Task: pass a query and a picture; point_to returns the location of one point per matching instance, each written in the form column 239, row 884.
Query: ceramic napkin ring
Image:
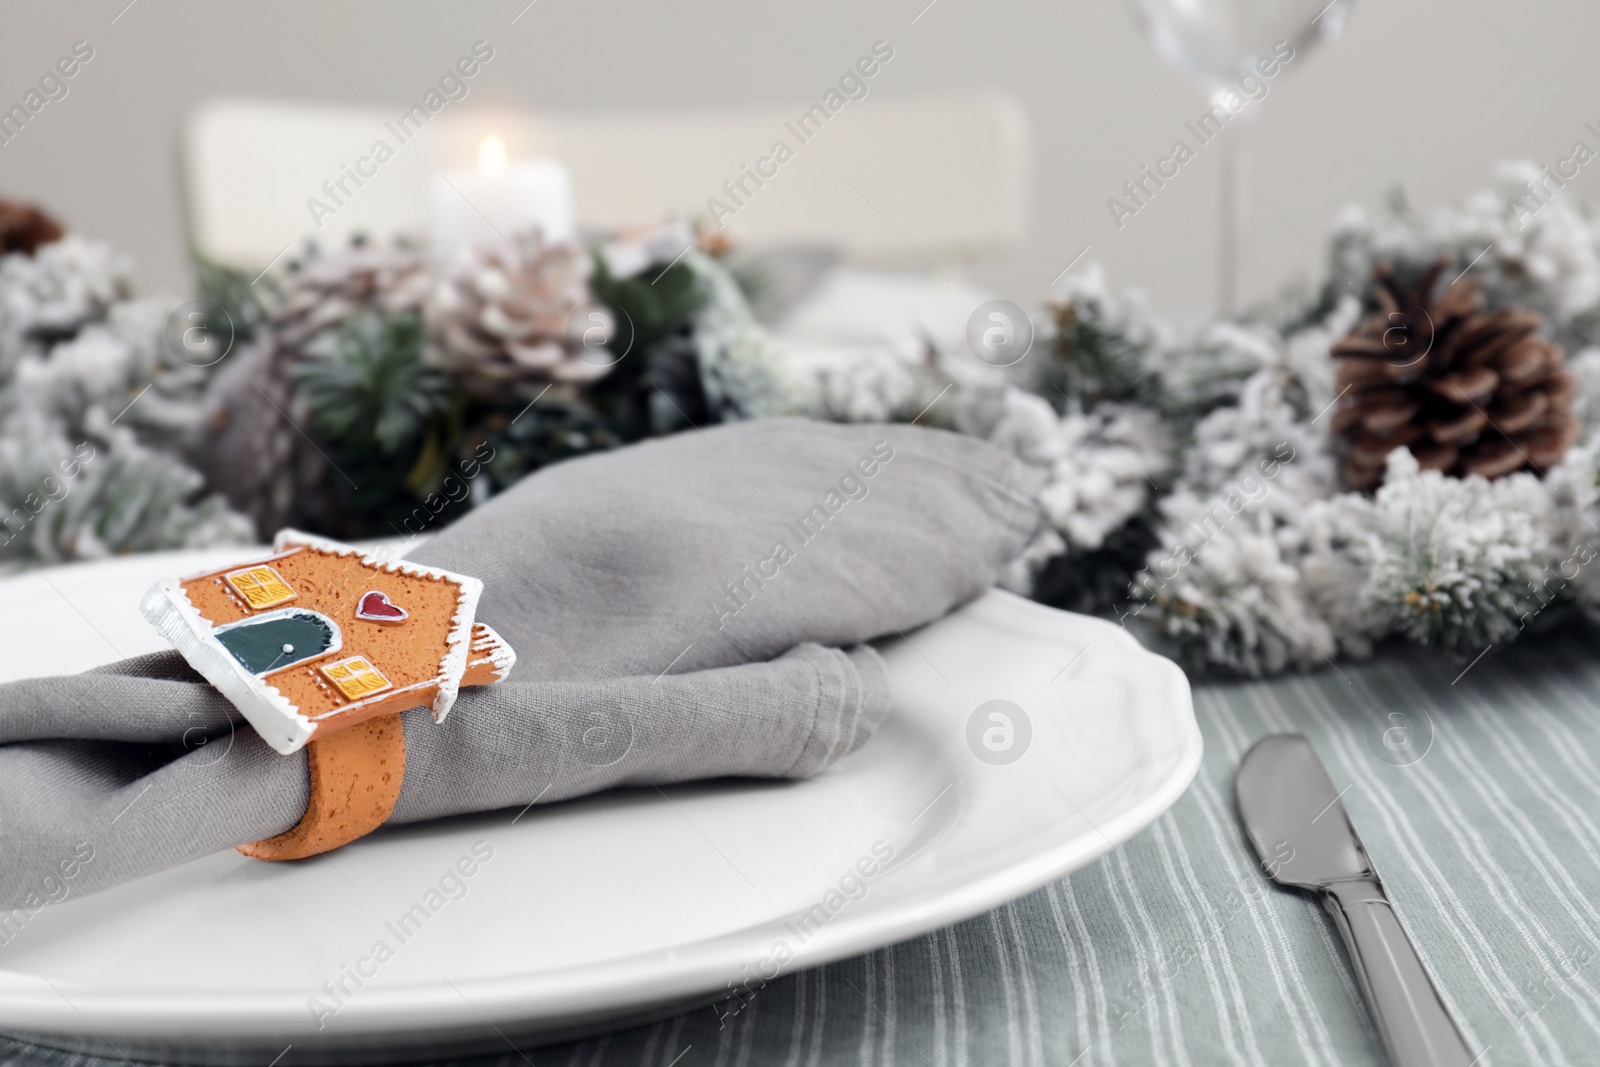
column 322, row 646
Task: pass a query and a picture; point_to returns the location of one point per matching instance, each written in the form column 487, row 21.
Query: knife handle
column 1416, row 1026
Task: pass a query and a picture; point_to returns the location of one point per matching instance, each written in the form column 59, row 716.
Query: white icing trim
column 288, row 540
column 499, row 653
column 278, row 722
column 460, row 642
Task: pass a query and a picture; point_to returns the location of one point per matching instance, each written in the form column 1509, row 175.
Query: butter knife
column 1305, row 839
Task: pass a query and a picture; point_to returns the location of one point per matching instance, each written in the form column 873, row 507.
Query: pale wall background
column 1428, row 93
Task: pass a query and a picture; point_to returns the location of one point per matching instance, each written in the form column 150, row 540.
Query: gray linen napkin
column 690, row 607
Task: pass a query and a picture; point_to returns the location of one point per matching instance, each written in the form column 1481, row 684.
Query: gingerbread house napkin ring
column 322, row 646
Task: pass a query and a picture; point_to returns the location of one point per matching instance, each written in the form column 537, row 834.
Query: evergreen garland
column 1189, row 475
column 97, row 414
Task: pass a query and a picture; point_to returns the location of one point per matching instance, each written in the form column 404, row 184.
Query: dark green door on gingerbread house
column 279, row 639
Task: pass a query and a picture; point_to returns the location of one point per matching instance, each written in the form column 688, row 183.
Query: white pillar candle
column 499, row 201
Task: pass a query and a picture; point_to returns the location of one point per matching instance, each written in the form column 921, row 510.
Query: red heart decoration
column 377, row 607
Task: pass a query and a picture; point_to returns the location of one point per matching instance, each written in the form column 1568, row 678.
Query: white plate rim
column 696, row 969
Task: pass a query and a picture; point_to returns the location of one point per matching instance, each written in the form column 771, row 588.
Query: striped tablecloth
column 1478, row 795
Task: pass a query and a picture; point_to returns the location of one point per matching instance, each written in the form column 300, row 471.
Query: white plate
column 616, row 905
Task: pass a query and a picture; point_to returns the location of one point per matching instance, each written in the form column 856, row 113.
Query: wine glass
column 1216, row 43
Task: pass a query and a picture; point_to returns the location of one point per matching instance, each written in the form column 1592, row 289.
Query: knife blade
column 1298, row 825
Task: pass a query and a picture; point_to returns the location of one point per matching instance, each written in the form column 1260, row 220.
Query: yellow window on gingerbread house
column 355, row 677
column 261, row 587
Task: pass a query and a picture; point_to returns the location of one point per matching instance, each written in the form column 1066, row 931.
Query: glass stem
column 1235, row 213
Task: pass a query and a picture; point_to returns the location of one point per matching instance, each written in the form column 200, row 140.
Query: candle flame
column 492, row 156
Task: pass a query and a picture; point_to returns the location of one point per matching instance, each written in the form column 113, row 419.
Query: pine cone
column 1468, row 391
column 327, row 291
column 505, row 319
column 263, row 461
column 23, row 228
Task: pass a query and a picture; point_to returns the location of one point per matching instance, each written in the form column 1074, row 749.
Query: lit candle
column 499, row 200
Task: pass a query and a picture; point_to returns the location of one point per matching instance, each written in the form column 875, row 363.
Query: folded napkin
column 690, row 607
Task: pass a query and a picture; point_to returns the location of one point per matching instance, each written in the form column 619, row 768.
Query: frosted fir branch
column 1305, row 357
column 1227, row 590
column 747, row 373
column 111, row 363
column 1224, row 581
column 1262, row 432
column 65, row 498
column 1100, row 468
column 1572, row 571
column 55, row 292
column 1124, row 314
column 923, row 380
column 96, row 410
column 1099, row 344
column 1449, row 562
column 1210, row 369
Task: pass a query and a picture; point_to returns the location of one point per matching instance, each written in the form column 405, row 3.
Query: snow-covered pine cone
column 504, row 323
column 328, row 290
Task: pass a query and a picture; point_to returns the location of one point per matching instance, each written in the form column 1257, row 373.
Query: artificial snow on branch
column 96, row 415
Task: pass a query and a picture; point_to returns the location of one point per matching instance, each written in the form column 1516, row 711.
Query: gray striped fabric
column 1174, row 951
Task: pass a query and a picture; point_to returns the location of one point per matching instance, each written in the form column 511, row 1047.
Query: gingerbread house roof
column 370, row 655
